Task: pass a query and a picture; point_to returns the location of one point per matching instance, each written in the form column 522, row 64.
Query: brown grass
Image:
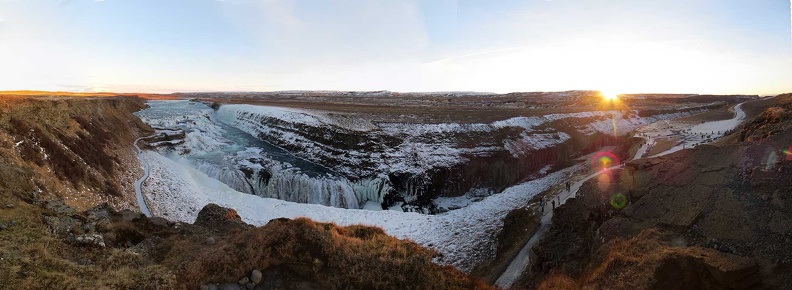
column 643, row 249
column 557, row 281
column 355, row 257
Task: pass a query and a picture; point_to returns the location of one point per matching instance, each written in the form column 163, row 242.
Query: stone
column 229, row 286
column 244, row 281
column 129, row 215
column 255, row 276
column 60, row 207
column 211, row 241
column 101, row 212
column 204, row 287
column 91, row 239
column 148, row 245
column 61, row 226
column 9, row 205
column 2, row 227
column 216, row 217
column 249, row 286
column 159, row 221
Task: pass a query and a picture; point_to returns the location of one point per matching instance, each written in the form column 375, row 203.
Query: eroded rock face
column 75, row 147
column 720, row 213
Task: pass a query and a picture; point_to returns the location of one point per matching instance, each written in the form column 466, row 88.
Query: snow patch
column 464, row 236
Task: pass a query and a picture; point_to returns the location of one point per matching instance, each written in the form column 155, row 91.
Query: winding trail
column 139, row 183
column 690, row 138
column 520, row 262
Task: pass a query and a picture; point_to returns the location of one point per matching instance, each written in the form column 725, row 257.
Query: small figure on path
column 567, row 184
column 553, row 201
column 541, row 205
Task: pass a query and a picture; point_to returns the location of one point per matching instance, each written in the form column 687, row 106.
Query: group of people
column 543, row 202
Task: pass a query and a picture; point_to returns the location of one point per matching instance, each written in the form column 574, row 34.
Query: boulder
column 255, row 276
column 60, row 207
column 91, row 239
column 101, row 212
column 216, row 217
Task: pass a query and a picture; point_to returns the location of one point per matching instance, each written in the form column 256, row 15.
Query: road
column 139, row 183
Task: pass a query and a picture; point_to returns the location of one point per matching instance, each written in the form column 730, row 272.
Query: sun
column 609, row 96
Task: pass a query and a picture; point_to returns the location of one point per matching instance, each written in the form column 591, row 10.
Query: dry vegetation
column 354, row 257
column 146, row 253
column 77, row 148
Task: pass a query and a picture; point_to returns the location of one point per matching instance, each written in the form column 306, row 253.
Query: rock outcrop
column 77, row 149
column 712, row 217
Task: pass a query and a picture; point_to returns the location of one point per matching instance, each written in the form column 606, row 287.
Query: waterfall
column 295, row 186
column 373, row 189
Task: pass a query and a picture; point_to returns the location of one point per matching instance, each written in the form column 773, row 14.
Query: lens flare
column 603, row 160
column 618, row 201
column 788, row 153
column 604, row 181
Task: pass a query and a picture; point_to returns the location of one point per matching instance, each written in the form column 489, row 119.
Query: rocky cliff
column 73, row 148
column 713, row 217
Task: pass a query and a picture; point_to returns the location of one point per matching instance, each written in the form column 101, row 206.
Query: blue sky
column 673, row 46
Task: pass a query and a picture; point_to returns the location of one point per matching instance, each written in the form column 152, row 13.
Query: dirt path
column 139, row 183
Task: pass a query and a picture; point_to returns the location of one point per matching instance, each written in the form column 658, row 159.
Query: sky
column 621, row 46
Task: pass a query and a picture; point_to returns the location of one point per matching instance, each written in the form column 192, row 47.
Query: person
column 558, row 197
column 629, row 196
column 567, row 185
column 553, row 204
column 541, row 205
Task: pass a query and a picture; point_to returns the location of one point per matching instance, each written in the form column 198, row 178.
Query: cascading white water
column 372, row 189
column 295, row 186
column 245, row 163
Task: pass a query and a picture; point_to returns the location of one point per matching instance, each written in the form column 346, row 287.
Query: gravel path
column 138, row 192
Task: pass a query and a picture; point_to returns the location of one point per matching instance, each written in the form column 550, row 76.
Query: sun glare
column 609, row 96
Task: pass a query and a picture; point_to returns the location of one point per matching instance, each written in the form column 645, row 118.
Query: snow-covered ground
column 689, row 136
column 420, row 147
column 463, row 236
